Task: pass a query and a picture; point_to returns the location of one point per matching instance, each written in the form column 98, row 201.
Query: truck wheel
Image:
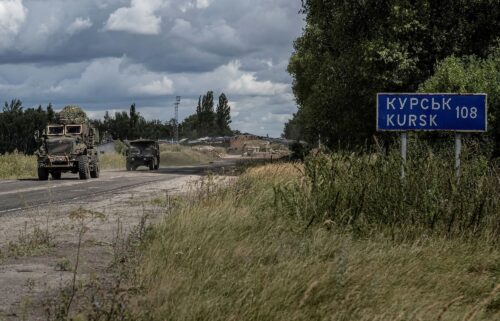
column 56, row 175
column 157, row 166
column 43, row 174
column 83, row 167
column 96, row 170
column 128, row 166
column 151, row 165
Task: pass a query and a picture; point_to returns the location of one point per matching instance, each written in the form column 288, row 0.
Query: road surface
column 23, row 194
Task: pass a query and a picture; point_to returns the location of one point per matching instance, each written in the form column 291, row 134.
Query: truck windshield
column 74, row 129
column 55, row 130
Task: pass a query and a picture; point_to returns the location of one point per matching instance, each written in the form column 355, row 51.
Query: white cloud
column 12, row 16
column 230, row 79
column 158, row 87
column 139, row 18
column 79, row 24
column 217, row 36
column 246, row 83
column 202, row 4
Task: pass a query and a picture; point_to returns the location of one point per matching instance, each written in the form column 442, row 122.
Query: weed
column 31, row 242
column 363, row 194
column 63, row 265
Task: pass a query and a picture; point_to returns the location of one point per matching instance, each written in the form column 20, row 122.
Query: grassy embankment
column 339, row 238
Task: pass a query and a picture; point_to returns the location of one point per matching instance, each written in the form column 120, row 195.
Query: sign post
column 458, row 113
column 404, row 153
column 458, row 151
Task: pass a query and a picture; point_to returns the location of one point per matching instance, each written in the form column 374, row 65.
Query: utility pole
column 177, row 102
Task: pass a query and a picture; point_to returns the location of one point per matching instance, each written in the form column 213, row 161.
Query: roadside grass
column 30, row 242
column 242, row 253
column 20, row 166
column 17, row 166
column 176, row 155
column 112, row 161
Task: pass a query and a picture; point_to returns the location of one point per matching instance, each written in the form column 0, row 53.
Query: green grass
column 184, row 156
column 112, row 161
column 242, row 254
column 17, row 166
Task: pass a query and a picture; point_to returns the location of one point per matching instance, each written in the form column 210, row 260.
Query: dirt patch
column 39, row 246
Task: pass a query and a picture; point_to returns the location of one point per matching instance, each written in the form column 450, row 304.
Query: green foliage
column 18, row 125
column 206, row 122
column 364, row 194
column 472, row 75
column 350, row 50
column 132, row 125
column 223, row 116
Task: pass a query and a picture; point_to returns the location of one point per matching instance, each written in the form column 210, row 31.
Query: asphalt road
column 21, row 194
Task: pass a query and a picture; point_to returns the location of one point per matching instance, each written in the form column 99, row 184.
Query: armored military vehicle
column 68, row 145
column 143, row 152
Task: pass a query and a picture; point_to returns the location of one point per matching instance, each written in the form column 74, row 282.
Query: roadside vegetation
column 176, row 155
column 19, row 166
column 339, row 237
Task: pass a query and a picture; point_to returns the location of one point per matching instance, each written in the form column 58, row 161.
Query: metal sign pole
column 404, row 151
column 458, row 152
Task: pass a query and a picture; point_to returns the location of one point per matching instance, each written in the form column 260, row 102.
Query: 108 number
column 465, row 112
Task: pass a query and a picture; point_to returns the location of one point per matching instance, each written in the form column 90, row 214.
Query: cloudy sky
column 106, row 54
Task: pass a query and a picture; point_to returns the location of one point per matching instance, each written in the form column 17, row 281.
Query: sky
column 106, row 54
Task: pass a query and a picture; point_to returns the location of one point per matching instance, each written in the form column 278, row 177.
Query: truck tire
column 56, row 175
column 128, row 166
column 157, row 166
column 43, row 174
column 151, row 165
column 95, row 173
column 83, row 167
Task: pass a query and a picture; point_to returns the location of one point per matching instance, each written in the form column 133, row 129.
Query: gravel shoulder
column 27, row 281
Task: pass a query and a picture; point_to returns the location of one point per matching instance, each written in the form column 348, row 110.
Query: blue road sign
column 432, row 112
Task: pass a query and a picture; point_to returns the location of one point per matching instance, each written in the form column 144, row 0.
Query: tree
column 223, row 116
column 206, row 115
column 350, row 50
column 17, row 126
column 134, row 120
column 50, row 113
column 471, row 74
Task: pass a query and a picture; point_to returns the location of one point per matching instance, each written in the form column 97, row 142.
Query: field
column 329, row 240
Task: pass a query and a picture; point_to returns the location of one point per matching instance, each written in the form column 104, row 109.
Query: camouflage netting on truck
column 73, row 115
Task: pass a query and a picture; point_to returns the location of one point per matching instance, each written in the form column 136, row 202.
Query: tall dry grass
column 177, row 155
column 17, row 166
column 233, row 255
column 365, row 194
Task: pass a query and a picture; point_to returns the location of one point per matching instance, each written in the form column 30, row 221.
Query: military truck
column 68, row 145
column 143, row 152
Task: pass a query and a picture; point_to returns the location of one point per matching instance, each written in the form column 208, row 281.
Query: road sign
column 432, row 112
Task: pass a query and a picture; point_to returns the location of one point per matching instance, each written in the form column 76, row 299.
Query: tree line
column 350, row 50
column 18, row 124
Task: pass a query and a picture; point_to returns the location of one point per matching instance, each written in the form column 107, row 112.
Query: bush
column 366, row 193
